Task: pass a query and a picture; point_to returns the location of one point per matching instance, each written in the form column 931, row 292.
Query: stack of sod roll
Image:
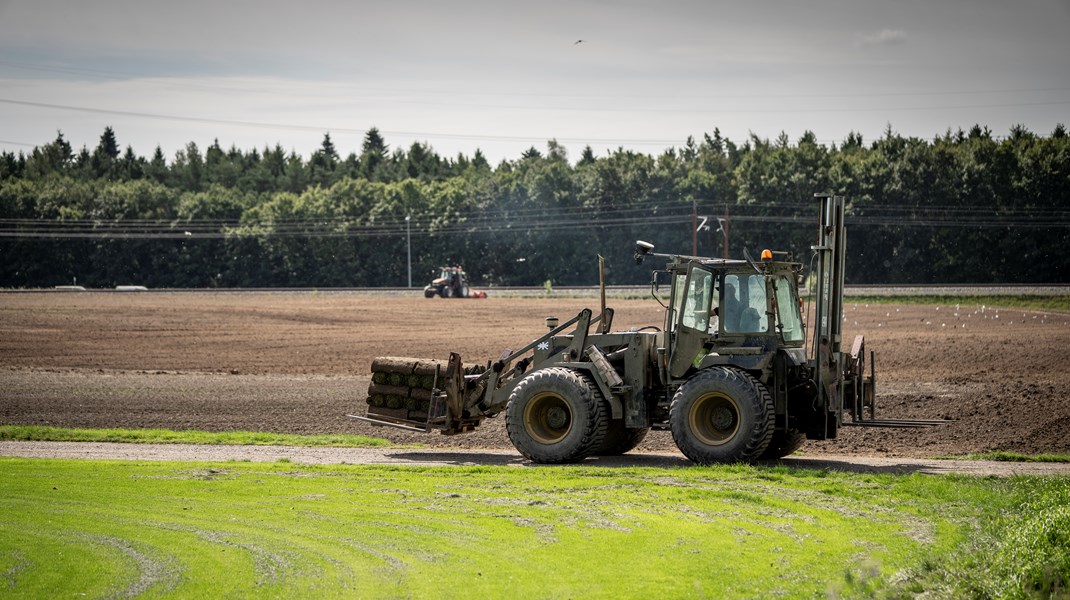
column 401, row 387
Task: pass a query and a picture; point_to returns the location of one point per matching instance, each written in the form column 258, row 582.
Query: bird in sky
column 577, row 42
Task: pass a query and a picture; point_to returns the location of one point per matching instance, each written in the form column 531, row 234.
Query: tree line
column 963, row 207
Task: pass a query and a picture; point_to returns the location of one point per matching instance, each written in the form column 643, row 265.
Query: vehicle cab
column 733, row 312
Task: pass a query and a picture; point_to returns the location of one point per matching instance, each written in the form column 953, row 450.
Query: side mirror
column 655, row 287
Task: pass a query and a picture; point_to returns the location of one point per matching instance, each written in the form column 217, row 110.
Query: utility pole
column 408, row 244
column 694, row 227
column 724, row 229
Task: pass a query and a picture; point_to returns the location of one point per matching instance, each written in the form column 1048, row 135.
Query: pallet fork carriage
column 730, row 373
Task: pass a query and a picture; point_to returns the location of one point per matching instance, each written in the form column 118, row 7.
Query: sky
column 502, row 76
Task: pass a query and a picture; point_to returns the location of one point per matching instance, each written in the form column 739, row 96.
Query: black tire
column 783, row 444
column 429, row 293
column 556, row 415
column 446, row 291
column 722, row 415
column 619, row 439
column 463, row 293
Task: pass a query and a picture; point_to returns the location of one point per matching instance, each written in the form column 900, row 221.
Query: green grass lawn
column 167, row 436
column 120, row 529
column 1004, row 456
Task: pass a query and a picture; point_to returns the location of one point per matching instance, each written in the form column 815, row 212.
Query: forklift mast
column 826, row 356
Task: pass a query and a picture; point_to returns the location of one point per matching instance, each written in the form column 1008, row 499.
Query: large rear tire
column 722, row 415
column 556, row 415
column 619, row 439
column 783, row 443
column 446, row 292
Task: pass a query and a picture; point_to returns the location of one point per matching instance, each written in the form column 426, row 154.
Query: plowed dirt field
column 299, row 362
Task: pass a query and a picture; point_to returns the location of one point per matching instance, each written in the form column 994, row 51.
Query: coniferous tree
column 587, row 156
column 105, row 157
column 51, row 159
column 156, row 169
column 373, row 155
column 323, row 164
column 188, row 168
column 132, row 166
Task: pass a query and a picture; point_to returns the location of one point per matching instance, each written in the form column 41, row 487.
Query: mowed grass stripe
column 166, row 436
column 112, row 528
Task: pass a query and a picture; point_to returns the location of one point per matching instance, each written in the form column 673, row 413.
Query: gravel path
column 471, row 457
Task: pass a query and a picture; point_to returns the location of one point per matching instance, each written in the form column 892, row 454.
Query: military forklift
column 732, row 371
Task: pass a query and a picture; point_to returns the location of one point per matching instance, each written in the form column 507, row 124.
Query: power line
column 87, row 229
column 640, row 208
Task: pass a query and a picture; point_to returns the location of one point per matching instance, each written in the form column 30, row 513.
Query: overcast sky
column 503, row 76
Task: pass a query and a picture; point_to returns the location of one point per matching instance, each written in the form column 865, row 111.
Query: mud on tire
column 722, row 415
column 556, row 415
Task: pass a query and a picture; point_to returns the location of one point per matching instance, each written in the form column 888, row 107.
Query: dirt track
column 300, row 362
column 453, row 457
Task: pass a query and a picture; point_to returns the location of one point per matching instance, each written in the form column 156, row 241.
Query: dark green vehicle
column 732, row 371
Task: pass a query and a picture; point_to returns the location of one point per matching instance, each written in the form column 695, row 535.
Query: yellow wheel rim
column 714, row 419
column 548, row 418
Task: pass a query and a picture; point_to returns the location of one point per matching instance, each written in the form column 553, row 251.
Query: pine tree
column 323, row 163
column 373, row 155
column 105, row 157
column 53, row 158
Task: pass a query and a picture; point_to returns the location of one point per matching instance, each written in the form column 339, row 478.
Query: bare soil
column 300, row 362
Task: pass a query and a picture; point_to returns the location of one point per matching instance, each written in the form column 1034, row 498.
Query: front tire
column 556, row 415
column 722, row 415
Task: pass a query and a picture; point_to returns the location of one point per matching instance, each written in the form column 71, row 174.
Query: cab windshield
column 737, row 303
column 744, row 304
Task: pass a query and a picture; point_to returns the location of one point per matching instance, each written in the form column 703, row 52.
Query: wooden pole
column 602, row 324
column 724, row 230
column 694, row 228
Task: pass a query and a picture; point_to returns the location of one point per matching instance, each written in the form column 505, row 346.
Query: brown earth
column 299, row 362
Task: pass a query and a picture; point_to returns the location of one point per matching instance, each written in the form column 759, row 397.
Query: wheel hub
column 721, row 418
column 556, row 417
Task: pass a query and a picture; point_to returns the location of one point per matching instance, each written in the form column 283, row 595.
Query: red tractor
column 451, row 283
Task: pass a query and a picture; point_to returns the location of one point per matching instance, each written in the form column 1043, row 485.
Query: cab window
column 744, row 304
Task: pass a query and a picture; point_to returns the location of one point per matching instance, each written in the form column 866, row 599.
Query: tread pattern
column 619, row 439
column 783, row 443
column 756, row 415
column 588, row 410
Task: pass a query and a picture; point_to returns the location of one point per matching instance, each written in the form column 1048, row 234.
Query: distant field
column 299, row 362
